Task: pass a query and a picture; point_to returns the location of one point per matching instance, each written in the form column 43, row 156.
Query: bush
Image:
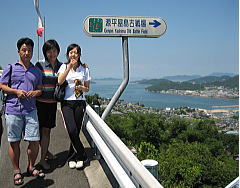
column 190, row 153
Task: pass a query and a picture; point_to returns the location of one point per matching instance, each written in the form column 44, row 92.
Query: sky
column 201, row 38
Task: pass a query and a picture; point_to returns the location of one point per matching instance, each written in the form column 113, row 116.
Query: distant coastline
column 136, row 94
column 110, row 78
column 225, row 87
column 218, row 94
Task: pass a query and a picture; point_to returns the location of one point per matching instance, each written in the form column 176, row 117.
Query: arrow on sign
column 155, row 23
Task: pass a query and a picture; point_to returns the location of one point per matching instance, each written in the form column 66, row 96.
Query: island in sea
column 208, row 86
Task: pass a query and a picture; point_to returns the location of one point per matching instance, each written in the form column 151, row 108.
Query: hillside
column 181, row 78
column 209, row 79
column 166, row 85
column 196, row 84
column 218, row 74
column 232, row 82
column 152, row 81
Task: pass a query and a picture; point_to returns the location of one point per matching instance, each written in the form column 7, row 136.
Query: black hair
column 48, row 45
column 69, row 48
column 27, row 41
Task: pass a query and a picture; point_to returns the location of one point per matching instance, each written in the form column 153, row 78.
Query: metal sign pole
column 38, row 50
column 125, row 26
column 125, row 78
column 44, row 34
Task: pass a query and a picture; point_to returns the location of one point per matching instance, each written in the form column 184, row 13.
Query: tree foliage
column 93, row 99
column 184, row 164
column 190, row 153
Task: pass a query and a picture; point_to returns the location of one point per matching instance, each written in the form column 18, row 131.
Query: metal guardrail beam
column 234, row 183
column 136, row 171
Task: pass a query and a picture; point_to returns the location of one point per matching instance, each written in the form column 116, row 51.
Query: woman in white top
column 74, row 105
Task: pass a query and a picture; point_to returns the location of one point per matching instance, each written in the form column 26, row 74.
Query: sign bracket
column 125, row 78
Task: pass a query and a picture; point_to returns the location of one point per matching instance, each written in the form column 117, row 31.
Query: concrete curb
column 94, row 172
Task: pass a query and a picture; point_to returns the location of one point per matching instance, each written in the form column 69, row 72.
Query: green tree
column 147, row 151
column 93, row 99
column 215, row 146
column 200, row 130
column 190, row 153
column 230, row 142
column 183, row 164
column 221, row 171
column 176, row 126
column 146, row 127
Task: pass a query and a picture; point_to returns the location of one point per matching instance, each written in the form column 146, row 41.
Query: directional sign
column 115, row 26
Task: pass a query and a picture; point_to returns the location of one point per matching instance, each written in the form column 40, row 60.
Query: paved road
column 59, row 175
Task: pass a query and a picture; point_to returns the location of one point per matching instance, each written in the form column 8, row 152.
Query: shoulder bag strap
column 10, row 77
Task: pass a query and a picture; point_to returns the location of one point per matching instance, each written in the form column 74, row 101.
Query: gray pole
column 44, row 25
column 38, row 50
column 125, row 78
column 38, row 39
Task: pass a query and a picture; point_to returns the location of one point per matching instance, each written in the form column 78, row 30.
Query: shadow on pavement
column 37, row 183
column 61, row 159
column 58, row 162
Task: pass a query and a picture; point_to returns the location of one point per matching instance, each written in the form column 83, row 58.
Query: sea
column 136, row 93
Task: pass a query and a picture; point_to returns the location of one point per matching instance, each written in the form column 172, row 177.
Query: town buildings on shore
column 214, row 92
column 227, row 121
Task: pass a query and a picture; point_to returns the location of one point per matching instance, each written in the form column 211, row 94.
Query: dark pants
column 73, row 112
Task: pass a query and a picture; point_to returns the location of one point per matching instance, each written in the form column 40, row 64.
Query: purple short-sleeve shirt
column 23, row 79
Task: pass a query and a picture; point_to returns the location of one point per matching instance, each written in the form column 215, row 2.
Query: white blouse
column 80, row 74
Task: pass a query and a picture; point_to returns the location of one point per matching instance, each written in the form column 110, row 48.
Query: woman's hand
column 82, row 88
column 73, row 62
column 79, row 87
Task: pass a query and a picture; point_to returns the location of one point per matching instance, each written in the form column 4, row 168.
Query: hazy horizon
column 132, row 77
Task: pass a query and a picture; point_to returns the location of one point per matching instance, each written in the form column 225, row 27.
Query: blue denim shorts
column 22, row 126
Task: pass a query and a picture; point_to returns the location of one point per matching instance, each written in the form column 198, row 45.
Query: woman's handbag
column 4, row 95
column 3, row 103
column 59, row 92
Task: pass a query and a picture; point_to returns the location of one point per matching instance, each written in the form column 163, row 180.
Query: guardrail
column 233, row 184
column 126, row 168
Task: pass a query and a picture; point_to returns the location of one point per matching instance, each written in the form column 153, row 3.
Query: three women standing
column 74, row 105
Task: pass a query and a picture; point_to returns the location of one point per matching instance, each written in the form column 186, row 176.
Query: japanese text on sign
column 124, row 26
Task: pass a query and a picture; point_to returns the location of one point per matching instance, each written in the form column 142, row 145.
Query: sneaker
column 72, row 164
column 79, row 164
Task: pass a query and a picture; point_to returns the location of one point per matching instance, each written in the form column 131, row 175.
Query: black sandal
column 50, row 156
column 39, row 173
column 16, row 180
